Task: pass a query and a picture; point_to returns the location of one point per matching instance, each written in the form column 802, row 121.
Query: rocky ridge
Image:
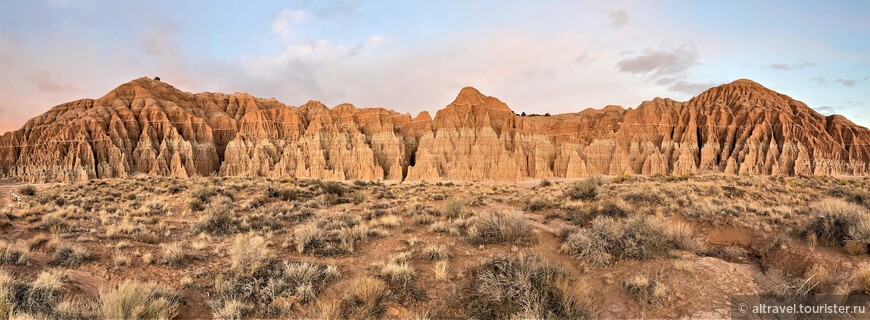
column 149, row 127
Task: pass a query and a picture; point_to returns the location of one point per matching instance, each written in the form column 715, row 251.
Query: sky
column 411, row 56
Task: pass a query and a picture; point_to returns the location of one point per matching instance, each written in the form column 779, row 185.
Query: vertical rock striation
column 149, row 127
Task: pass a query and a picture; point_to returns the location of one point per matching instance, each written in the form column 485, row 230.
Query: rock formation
column 149, row 127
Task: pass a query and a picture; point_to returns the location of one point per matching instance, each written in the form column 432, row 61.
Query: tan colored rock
column 149, row 127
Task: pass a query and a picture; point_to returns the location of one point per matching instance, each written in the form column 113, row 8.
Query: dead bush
column 646, row 291
column 585, row 189
column 640, row 238
column 219, row 218
column 837, row 221
column 525, row 287
column 497, row 227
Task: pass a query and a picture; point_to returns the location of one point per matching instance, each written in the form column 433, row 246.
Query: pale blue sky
column 537, row 56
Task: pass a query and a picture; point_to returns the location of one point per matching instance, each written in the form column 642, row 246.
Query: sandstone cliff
column 149, row 127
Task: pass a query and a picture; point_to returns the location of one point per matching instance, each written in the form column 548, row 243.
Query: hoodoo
column 149, row 127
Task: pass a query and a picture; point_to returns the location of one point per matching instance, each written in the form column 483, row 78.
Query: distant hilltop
column 148, row 127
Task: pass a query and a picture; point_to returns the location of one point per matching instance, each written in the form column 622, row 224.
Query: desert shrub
column 331, row 234
column 175, row 254
column 860, row 231
column 276, row 218
column 77, row 308
column 219, row 218
column 525, row 287
column 545, row 183
column 606, row 209
column 862, row 279
column 272, row 286
column 852, row 194
column 175, row 188
column 390, row 221
column 645, row 291
column 424, row 219
column 440, row 227
column 195, row 204
column 645, row 197
column 10, row 254
column 364, row 299
column 154, row 208
column 5, row 220
column 455, row 208
column 496, row 227
column 435, row 252
column 257, row 277
column 248, row 252
column 334, row 188
column 38, row 297
column 70, row 256
column 585, row 189
column 135, row 300
column 837, row 221
column 230, row 310
column 399, row 276
column 608, row 240
column 440, row 270
column 203, row 194
column 538, row 204
column 27, row 190
column 281, row 193
column 307, row 236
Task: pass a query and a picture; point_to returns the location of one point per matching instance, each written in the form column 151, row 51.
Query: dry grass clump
column 10, row 254
column 440, row 270
column 37, row 297
column 862, row 280
column 200, row 197
column 582, row 215
column 538, row 204
column 248, row 253
column 219, row 218
column 134, row 300
column 258, row 278
column 455, row 208
column 496, row 227
column 284, row 194
column 398, row 275
column 174, row 254
column 435, row 252
column 77, row 308
column 585, row 189
column 26, row 190
column 525, row 287
column 641, row 238
column 364, row 299
column 70, row 256
column 331, row 234
column 646, row 291
column 837, row 221
column 230, row 310
column 275, row 218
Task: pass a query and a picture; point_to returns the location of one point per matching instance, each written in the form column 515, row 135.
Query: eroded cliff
column 149, row 127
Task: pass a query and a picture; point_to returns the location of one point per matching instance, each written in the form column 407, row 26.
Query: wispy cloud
column 47, row 81
column 659, row 63
column 819, row 80
column 787, row 67
column 850, row 82
column 617, row 18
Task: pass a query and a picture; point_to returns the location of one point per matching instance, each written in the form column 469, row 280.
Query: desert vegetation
column 600, row 247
